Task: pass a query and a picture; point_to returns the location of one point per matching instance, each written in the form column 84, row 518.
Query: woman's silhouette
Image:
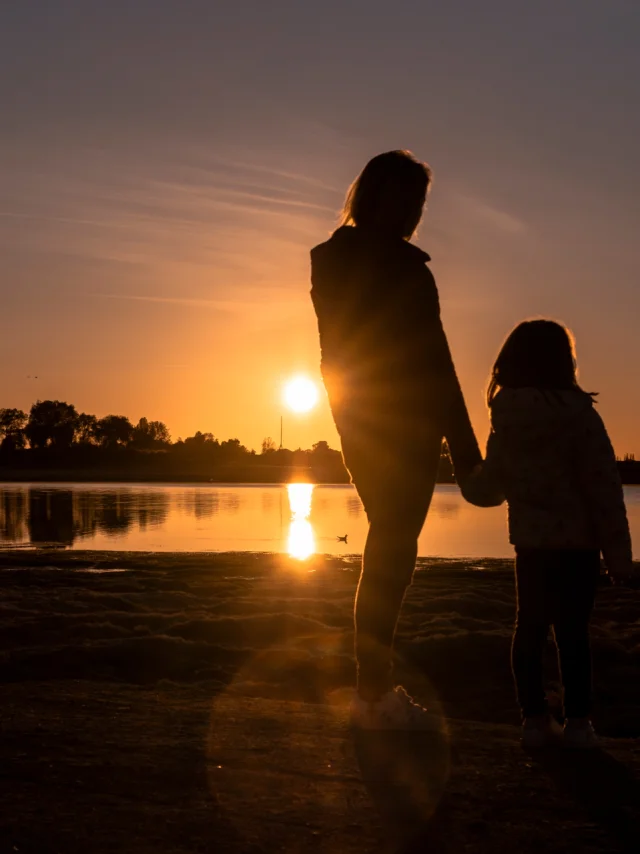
column 394, row 395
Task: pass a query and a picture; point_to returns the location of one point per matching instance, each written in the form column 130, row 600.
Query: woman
column 394, row 395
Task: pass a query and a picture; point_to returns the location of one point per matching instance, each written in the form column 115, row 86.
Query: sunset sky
column 166, row 165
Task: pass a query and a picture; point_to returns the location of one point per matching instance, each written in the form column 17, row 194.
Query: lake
column 298, row 519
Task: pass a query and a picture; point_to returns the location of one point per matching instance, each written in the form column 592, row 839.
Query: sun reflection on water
column 301, row 542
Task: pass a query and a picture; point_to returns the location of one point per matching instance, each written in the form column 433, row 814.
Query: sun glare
column 300, row 394
column 301, row 543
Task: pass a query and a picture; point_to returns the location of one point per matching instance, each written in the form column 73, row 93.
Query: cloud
column 493, row 216
column 218, row 305
column 261, row 305
column 64, row 220
column 245, row 166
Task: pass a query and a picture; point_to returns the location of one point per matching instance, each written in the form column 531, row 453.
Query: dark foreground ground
column 198, row 703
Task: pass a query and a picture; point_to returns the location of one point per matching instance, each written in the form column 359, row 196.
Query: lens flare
column 301, row 394
column 301, row 541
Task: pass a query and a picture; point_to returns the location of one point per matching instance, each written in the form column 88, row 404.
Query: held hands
column 481, row 487
column 470, row 476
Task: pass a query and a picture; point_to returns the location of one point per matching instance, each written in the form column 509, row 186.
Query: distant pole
column 281, row 432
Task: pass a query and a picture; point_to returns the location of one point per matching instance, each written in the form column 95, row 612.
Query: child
column 550, row 457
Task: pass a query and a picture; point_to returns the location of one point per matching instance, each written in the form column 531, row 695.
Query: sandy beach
column 174, row 703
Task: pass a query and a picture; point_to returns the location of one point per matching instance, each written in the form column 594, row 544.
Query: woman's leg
column 388, row 563
column 576, row 581
column 397, row 508
column 532, row 627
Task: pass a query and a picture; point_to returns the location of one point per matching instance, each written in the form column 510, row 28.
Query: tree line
column 54, row 440
column 58, row 425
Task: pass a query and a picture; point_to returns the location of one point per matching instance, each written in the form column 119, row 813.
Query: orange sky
column 163, row 177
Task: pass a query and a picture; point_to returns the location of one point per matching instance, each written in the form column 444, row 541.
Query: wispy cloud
column 218, row 305
column 491, row 215
column 238, row 305
column 63, row 220
column 252, row 166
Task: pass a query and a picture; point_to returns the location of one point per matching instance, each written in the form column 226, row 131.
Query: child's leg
column 575, row 583
column 532, row 628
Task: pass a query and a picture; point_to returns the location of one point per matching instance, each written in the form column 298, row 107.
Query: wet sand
column 174, row 703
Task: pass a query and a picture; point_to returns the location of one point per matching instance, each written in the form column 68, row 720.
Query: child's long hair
column 537, row 354
column 389, row 195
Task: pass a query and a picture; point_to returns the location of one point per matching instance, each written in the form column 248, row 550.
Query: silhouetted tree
column 113, row 430
column 12, row 424
column 12, row 420
column 321, row 448
column 148, row 435
column 232, row 450
column 201, row 440
column 268, row 445
column 51, row 422
column 86, row 429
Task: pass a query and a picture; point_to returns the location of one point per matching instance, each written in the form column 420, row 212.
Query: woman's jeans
column 556, row 587
column 395, row 485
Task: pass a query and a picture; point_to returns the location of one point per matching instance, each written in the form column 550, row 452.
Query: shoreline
column 32, row 557
column 208, row 612
column 117, row 478
column 164, row 703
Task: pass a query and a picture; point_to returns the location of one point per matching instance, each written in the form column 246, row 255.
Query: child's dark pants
column 556, row 587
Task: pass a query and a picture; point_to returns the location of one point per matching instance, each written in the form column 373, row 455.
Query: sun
column 301, row 394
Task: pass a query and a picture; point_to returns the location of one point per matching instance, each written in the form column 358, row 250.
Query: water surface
column 299, row 519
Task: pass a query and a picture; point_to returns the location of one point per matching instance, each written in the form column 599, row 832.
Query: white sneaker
column 579, row 734
column 395, row 710
column 540, row 732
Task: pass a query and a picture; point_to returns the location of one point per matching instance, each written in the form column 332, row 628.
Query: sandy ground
column 170, row 703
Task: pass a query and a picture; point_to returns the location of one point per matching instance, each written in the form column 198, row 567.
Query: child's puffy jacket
column 550, row 457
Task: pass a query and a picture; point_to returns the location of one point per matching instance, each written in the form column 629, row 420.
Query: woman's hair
column 389, row 194
column 537, row 354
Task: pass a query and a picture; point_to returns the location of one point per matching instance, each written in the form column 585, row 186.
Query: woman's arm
column 484, row 487
column 458, row 431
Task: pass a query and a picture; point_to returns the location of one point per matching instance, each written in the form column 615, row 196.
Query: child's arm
column 483, row 487
column 603, row 488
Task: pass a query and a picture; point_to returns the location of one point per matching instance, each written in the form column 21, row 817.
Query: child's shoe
column 540, row 731
column 579, row 734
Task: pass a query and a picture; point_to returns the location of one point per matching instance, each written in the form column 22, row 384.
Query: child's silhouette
column 550, row 456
